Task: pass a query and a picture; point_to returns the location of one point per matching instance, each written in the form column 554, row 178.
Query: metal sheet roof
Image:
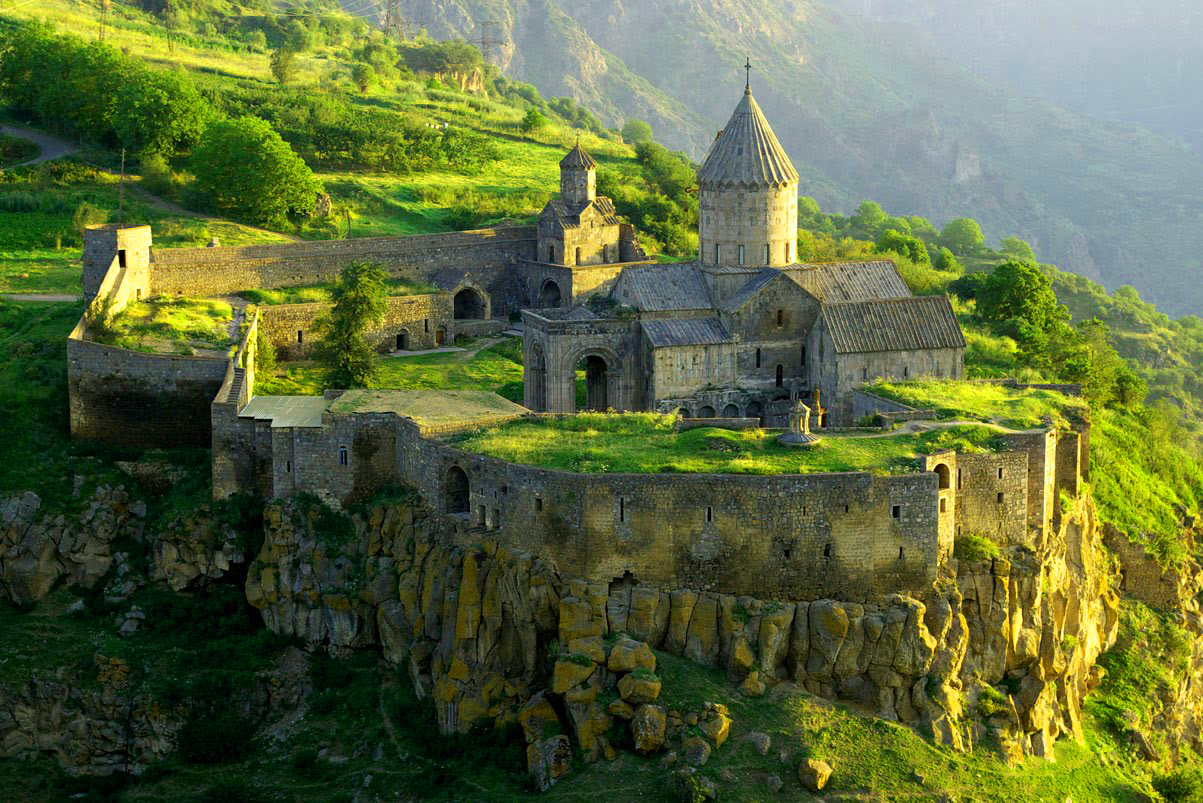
column 286, row 411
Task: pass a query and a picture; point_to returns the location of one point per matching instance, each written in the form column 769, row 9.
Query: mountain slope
column 868, row 110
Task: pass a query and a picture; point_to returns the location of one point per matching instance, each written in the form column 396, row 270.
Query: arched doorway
column 440, row 336
column 456, row 491
column 549, row 295
column 730, row 411
column 706, row 411
column 945, row 476
column 596, row 396
column 537, row 377
column 755, row 410
column 469, row 305
column 683, row 412
column 403, row 340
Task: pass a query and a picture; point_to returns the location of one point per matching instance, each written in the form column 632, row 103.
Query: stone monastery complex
column 736, row 337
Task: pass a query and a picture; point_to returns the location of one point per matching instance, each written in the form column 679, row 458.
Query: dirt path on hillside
column 29, row 298
column 52, row 147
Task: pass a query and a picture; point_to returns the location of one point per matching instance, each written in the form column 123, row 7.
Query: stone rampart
column 128, row 397
column 217, row 271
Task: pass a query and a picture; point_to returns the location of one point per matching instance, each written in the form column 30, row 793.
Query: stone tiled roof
column 747, row 152
column 899, row 324
column 750, row 290
column 663, row 288
column 837, row 282
column 578, row 158
column 580, row 314
column 685, row 332
column 570, row 216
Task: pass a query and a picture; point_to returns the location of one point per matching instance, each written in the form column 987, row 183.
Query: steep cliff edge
column 1006, row 645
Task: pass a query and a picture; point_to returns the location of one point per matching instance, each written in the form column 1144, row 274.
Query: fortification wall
column 846, row 536
column 127, row 397
column 218, row 271
column 410, row 322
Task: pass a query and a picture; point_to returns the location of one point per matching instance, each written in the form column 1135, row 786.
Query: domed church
column 740, row 331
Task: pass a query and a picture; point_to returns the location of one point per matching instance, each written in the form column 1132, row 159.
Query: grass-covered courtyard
column 647, row 443
column 170, row 326
column 997, row 404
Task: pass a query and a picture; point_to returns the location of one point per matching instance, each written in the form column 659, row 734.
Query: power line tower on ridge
column 486, row 43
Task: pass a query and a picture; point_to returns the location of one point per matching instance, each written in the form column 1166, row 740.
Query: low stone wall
column 686, row 424
column 131, row 398
column 410, row 323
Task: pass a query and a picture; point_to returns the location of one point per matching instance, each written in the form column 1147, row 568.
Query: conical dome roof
column 747, row 152
column 578, row 158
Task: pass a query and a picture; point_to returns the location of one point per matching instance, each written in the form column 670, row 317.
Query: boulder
column 639, row 687
column 814, row 774
column 548, row 760
column 593, row 647
column 695, row 750
column 648, row 728
column 752, row 686
column 716, row 728
column 536, row 716
column 628, row 655
column 701, row 640
column 569, row 673
column 761, row 742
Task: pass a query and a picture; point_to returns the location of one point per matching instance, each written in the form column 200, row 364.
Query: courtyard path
column 57, row 298
column 52, row 147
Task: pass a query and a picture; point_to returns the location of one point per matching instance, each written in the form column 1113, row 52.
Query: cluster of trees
column 97, row 94
column 1017, row 300
column 656, row 195
column 359, row 298
column 328, row 132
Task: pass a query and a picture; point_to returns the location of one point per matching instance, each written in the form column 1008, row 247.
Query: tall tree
column 964, row 236
column 359, row 302
column 635, row 131
column 244, row 169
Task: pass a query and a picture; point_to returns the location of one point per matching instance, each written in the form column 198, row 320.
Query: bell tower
column 578, row 178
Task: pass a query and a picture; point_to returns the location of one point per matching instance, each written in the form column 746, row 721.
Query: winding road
column 52, row 147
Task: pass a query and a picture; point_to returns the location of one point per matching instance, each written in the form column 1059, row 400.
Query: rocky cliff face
column 37, row 551
column 1006, row 645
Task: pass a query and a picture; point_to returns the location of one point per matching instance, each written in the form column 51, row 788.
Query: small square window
column 538, row 504
column 896, row 511
column 1000, row 472
column 943, row 505
column 1000, row 497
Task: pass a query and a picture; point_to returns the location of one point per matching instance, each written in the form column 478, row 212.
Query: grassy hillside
column 870, row 110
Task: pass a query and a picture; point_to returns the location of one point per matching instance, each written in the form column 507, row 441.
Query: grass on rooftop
column 1008, row 407
column 643, row 443
column 170, row 325
column 496, row 367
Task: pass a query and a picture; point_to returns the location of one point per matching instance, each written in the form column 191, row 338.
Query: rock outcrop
column 38, row 550
column 472, row 624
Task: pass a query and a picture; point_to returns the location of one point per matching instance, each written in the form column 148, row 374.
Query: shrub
column 1182, row 785
column 974, row 548
column 214, row 738
column 990, row 701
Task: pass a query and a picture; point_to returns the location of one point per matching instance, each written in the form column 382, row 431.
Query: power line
column 486, row 43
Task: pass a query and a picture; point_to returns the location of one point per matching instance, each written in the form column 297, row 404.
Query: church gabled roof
column 577, row 158
column 685, row 332
column 570, row 216
column 897, row 324
column 837, row 282
column 663, row 288
column 747, row 152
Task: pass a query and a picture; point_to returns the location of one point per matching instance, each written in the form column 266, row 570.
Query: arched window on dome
column 741, row 254
column 718, row 252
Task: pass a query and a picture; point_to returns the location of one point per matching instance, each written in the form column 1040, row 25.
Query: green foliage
column 954, row 399
column 283, row 64
column 214, row 737
column 906, row 245
column 447, row 56
column 244, row 169
column 534, row 120
column 171, row 325
column 963, row 237
column 362, row 75
column 974, row 548
column 1180, row 785
column 1017, row 248
column 14, row 150
column 636, row 131
column 265, row 352
column 990, row 701
column 657, row 198
column 947, row 261
column 97, row 93
column 1018, row 300
column 359, row 303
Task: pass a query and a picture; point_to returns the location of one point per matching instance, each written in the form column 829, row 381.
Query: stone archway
column 597, row 379
column 469, row 304
column 755, row 410
column 456, row 492
column 549, row 295
column 945, row 476
column 705, row 411
column 730, row 411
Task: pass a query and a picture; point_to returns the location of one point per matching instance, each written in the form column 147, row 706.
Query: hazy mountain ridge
column 867, row 110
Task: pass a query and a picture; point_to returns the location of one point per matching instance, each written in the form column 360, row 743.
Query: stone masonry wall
column 216, row 271
column 289, row 327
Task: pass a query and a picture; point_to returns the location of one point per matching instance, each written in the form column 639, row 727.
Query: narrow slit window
column 899, row 553
column 786, row 553
column 827, row 551
column 718, row 252
column 1000, row 497
column 496, row 519
column 426, row 325
column 538, row 504
column 767, row 260
column 845, row 508
column 896, row 511
column 960, row 483
column 943, row 505
column 802, row 362
column 288, row 466
column 709, row 514
column 780, row 318
column 622, row 509
column 741, row 255
column 757, row 358
column 1000, row 472
column 300, row 336
column 344, row 457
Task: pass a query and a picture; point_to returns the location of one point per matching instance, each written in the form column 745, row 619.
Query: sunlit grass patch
column 1009, row 407
column 175, row 326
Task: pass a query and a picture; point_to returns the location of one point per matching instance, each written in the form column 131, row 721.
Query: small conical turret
column 578, row 177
